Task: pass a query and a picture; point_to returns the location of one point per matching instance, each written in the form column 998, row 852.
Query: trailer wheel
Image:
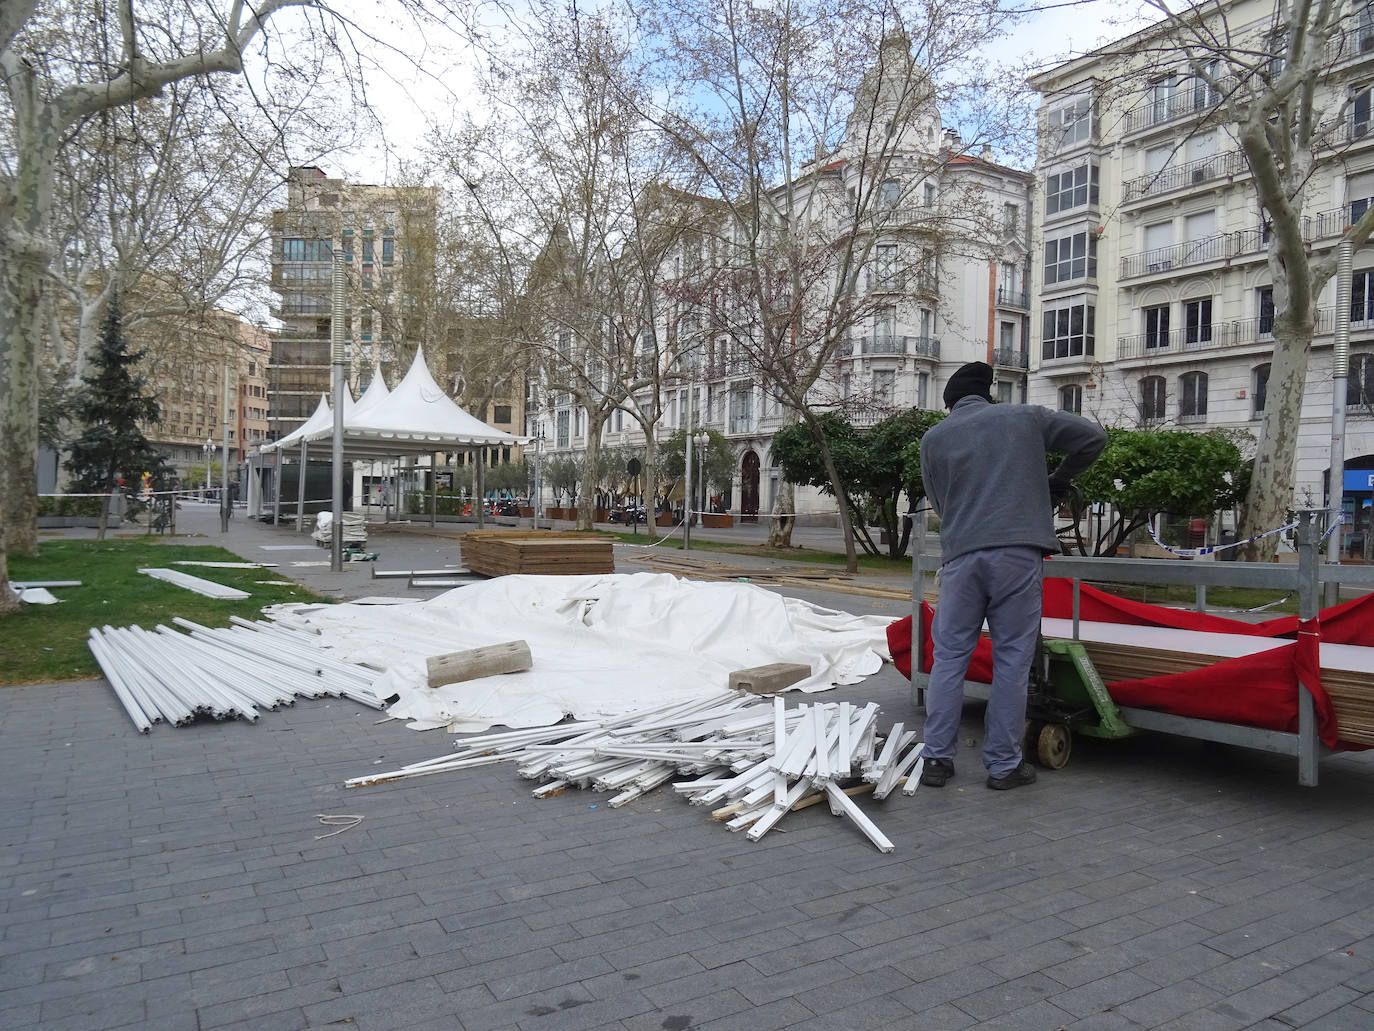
column 1053, row 746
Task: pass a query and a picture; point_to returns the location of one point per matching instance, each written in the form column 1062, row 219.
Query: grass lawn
column 42, row 643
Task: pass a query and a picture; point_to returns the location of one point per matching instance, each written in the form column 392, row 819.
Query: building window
column 1197, row 321
column 1266, row 310
column 561, row 436
column 367, row 246
column 886, row 272
column 1069, row 331
column 1359, row 383
column 297, row 249
column 1003, row 392
column 1192, row 397
column 1362, row 296
column 1070, row 124
column 1071, row 189
column 1260, row 387
column 883, row 380
column 1157, row 327
column 388, row 248
column 1071, row 399
column 1011, row 215
column 1071, row 257
column 501, row 414
column 1360, row 112
column 928, row 193
column 1152, row 397
column 890, row 193
column 922, row 389
column 1007, row 336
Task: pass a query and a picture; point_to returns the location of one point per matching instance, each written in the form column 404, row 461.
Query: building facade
column 387, row 235
column 1152, row 296
column 943, row 282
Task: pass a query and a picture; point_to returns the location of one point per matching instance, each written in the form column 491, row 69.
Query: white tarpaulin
column 601, row 645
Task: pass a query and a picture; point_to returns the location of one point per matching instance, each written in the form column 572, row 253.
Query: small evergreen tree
column 110, row 406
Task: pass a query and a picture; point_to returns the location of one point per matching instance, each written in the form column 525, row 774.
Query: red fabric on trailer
column 1351, row 622
column 1254, row 691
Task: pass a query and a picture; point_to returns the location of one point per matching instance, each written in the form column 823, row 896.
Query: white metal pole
column 300, row 488
column 687, row 445
column 336, row 361
column 1340, row 370
column 224, row 470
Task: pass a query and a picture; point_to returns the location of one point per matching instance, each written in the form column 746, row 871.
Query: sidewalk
column 182, row 880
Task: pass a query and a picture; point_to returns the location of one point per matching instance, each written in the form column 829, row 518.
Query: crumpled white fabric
column 601, row 645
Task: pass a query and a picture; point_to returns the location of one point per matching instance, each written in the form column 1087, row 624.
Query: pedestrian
column 985, row 473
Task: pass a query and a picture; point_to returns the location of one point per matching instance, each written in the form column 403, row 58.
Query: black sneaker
column 1022, row 775
column 935, row 773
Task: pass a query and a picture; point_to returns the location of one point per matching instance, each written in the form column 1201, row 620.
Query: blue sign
column 1359, row 479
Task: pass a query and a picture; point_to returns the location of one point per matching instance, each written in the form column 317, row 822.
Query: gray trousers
column 1002, row 586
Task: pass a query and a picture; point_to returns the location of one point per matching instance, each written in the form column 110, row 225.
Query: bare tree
column 48, row 97
column 816, row 167
column 575, row 195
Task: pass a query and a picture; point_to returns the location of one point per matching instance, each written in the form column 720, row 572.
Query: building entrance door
column 749, row 488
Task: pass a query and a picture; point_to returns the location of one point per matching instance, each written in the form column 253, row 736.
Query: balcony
column 1225, row 246
column 1010, row 358
column 1187, row 100
column 920, row 346
column 724, row 368
column 1009, row 298
column 1350, row 44
column 1178, row 177
column 1238, row 333
column 911, row 280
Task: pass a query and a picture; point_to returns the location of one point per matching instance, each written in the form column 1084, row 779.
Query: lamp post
column 208, row 450
column 702, row 439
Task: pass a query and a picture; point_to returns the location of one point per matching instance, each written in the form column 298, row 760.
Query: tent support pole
column 300, row 490
column 277, row 464
column 433, row 490
column 336, row 362
column 481, row 490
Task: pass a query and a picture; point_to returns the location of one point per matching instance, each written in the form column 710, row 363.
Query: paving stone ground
column 179, row 880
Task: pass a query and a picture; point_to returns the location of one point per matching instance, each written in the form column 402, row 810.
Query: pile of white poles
column 753, row 761
column 161, row 675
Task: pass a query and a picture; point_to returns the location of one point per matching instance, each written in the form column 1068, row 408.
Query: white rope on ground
column 345, row 822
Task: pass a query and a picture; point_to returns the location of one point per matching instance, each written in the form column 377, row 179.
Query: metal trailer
column 1077, row 685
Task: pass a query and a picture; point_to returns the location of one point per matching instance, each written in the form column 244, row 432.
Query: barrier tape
column 1211, row 549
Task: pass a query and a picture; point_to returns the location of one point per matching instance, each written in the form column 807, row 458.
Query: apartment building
column 189, row 384
column 1152, row 298
column 945, row 283
column 387, row 235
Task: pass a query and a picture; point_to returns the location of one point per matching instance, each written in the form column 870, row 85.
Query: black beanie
column 971, row 380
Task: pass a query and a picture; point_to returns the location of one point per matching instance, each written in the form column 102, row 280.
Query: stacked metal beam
column 753, row 761
column 161, row 675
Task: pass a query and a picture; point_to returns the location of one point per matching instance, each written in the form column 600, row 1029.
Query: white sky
column 409, row 101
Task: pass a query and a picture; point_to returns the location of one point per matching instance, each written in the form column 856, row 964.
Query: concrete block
column 770, row 679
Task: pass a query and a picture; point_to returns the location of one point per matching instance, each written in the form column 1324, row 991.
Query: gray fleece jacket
column 984, row 471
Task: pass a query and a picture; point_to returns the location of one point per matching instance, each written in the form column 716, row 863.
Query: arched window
column 1071, row 399
column 1259, row 379
column 1192, row 397
column 1359, row 384
column 1152, row 399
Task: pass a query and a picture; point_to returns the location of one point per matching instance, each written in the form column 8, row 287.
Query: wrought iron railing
column 1011, row 358
column 1192, row 99
column 1178, row 177
column 1234, row 333
column 1009, row 298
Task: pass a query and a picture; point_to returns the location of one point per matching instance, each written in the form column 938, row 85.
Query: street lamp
column 701, row 439
column 208, row 450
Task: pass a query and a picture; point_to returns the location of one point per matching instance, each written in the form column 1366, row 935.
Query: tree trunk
column 784, row 516
column 1271, row 493
column 22, row 281
column 9, row 600
column 650, row 482
column 851, row 556
column 586, row 505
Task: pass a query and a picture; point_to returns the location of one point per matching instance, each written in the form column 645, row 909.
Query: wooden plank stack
column 503, row 552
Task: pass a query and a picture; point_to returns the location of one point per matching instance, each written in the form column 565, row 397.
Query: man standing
column 984, row 471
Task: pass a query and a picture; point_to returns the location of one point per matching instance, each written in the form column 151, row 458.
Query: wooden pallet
column 506, row 552
column 799, row 577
